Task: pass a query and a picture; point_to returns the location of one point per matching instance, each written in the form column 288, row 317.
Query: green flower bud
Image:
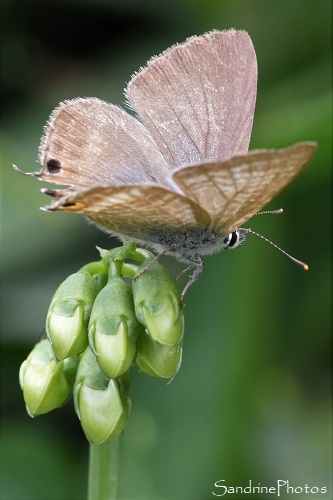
column 113, row 328
column 101, row 404
column 46, row 383
column 158, row 360
column 157, row 303
column 68, row 314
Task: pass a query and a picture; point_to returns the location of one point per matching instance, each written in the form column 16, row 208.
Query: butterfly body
column 184, row 244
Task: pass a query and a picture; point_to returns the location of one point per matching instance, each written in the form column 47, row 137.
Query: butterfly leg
column 198, row 265
column 161, row 254
column 184, row 271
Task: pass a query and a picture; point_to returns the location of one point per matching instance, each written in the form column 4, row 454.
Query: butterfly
column 178, row 178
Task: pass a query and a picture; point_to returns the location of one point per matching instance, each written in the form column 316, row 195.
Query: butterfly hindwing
column 135, row 211
column 89, row 142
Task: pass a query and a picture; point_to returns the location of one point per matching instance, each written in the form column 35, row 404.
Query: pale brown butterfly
column 179, row 178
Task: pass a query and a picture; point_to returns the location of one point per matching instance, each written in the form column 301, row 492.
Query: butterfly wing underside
column 89, row 142
column 219, row 196
column 231, row 192
column 197, row 99
column 145, row 212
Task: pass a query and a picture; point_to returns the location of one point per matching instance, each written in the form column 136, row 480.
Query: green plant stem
column 103, row 470
column 95, row 268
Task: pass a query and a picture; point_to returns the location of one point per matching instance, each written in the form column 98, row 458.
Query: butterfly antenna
column 298, row 262
column 279, row 211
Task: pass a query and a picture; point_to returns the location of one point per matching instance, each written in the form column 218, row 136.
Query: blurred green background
column 252, row 400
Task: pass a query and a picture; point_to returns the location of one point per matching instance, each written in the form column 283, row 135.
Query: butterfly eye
column 233, row 240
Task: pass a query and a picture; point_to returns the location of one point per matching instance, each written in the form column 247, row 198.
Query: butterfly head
column 234, row 239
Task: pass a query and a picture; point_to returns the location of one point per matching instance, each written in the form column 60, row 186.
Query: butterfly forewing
column 233, row 191
column 89, row 142
column 198, row 98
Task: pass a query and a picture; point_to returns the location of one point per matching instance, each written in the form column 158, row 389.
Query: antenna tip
column 305, row 267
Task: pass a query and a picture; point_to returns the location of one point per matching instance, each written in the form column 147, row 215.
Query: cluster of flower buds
column 122, row 309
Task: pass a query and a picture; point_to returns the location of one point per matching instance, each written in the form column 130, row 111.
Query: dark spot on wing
column 53, row 166
column 50, row 192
